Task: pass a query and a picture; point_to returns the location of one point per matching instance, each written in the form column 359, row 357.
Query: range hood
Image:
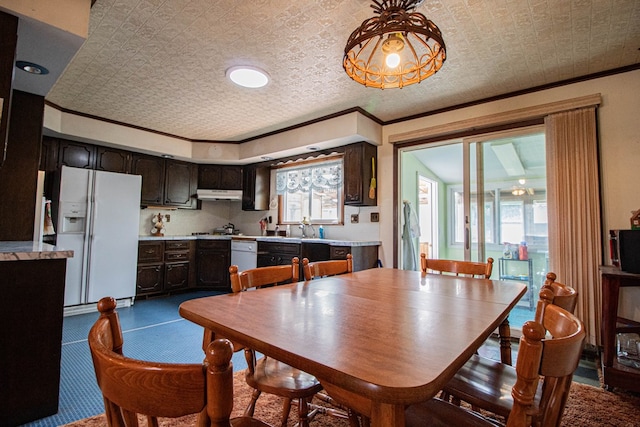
column 219, row 194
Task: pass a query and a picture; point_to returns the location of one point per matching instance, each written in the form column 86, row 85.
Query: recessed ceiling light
column 266, row 158
column 312, row 148
column 247, row 76
column 31, row 67
column 167, row 156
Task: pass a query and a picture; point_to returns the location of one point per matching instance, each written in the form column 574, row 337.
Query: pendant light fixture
column 396, row 48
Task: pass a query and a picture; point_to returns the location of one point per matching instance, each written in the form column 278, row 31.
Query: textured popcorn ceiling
column 160, row 64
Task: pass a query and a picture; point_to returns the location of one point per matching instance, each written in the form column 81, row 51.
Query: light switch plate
column 375, row 217
column 354, row 218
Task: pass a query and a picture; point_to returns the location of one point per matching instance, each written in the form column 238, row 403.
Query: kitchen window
column 311, row 191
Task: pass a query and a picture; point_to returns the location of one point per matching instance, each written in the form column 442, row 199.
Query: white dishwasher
column 244, row 254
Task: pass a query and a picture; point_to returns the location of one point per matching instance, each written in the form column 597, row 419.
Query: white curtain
column 575, row 239
column 318, row 176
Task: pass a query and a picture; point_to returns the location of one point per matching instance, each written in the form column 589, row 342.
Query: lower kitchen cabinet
column 149, row 279
column 270, row 253
column 176, row 265
column 163, row 266
column 213, row 259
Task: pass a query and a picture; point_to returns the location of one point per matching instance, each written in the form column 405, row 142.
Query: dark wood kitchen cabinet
column 31, row 338
column 255, row 188
column 180, row 183
column 166, row 182
column 176, row 265
column 150, row 275
column 113, row 160
column 164, row 266
column 358, row 171
column 275, row 253
column 213, row 259
column 151, row 169
column 76, row 154
column 217, row 177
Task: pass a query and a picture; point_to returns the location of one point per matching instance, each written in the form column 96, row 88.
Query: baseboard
column 74, row 310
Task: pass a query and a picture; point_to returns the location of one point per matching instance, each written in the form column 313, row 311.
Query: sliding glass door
column 490, row 201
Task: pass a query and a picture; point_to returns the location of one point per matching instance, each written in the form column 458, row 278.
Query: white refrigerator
column 98, row 218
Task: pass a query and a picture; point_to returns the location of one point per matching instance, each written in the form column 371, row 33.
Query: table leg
column 387, row 415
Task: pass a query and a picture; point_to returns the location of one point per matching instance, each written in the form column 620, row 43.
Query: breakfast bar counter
column 32, row 281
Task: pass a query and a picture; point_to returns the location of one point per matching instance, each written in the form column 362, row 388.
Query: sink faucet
column 305, row 226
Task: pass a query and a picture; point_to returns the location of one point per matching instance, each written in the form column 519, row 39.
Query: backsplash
column 217, row 214
column 185, row 222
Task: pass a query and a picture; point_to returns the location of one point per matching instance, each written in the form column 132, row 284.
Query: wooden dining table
column 377, row 339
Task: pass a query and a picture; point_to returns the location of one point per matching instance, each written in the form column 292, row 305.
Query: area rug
column 587, row 406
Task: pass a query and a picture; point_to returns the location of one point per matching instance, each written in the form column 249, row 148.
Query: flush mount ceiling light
column 31, row 67
column 246, row 76
column 396, row 48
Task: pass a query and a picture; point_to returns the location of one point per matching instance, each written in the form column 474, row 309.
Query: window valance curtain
column 319, row 176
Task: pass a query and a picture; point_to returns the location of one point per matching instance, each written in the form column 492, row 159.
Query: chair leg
column 252, row 405
column 303, row 412
column 286, row 409
column 504, row 331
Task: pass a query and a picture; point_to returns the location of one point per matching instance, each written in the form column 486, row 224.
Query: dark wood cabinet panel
column 76, row 154
column 176, row 276
column 113, row 160
column 180, row 184
column 19, row 173
column 163, row 266
column 31, row 339
column 149, row 279
column 358, row 171
column 255, row 188
column 270, row 253
column 152, row 171
column 339, row 252
column 49, row 154
column 213, row 260
column 150, row 251
column 217, row 177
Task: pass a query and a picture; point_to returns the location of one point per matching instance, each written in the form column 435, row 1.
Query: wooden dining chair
column 153, row 389
column 487, row 384
column 563, row 295
column 456, row 267
column 549, row 353
column 326, row 268
column 480, row 270
column 266, row 374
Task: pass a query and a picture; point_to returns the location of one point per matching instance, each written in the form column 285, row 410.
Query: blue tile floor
column 153, row 330
column 149, row 326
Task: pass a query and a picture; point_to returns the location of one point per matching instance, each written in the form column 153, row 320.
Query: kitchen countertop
column 30, row 251
column 330, row 242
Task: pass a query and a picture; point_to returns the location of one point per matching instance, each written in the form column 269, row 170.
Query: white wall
column 619, row 137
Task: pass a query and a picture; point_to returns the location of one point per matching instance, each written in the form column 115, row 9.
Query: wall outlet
column 375, row 217
column 167, row 218
column 354, row 218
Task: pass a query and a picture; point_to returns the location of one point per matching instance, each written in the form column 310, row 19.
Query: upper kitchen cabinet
column 113, row 160
column 56, row 153
column 180, row 184
column 76, row 154
column 359, row 164
column 255, row 188
column 166, row 182
column 217, row 177
column 151, row 169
